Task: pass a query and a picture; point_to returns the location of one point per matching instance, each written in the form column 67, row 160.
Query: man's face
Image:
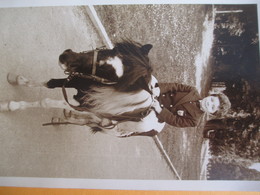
column 210, row 104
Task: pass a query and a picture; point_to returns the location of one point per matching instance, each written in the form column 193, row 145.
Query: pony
column 115, row 90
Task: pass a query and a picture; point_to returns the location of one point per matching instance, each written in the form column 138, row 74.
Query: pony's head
column 127, row 64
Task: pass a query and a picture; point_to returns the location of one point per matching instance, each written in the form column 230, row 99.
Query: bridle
column 92, row 76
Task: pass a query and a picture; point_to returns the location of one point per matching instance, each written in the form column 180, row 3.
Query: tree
column 234, row 139
column 237, row 138
column 224, row 169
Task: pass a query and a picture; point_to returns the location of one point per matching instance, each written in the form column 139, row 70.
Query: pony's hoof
column 67, row 113
column 4, row 106
column 10, row 106
column 56, row 120
column 12, row 78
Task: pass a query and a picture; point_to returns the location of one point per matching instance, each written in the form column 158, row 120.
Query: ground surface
column 31, row 40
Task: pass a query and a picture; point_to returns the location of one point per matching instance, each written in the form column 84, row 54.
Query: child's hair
column 224, row 105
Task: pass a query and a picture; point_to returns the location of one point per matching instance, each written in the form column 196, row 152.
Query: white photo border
column 186, row 185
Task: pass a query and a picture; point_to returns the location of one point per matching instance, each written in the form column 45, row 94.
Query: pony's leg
column 60, row 121
column 23, row 81
column 45, row 103
column 87, row 116
column 77, row 83
column 20, row 80
column 86, row 119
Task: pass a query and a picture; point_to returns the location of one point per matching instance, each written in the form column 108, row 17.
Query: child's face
column 210, row 104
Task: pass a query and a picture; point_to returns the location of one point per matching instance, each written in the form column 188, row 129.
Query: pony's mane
column 137, row 65
column 98, row 99
column 132, row 50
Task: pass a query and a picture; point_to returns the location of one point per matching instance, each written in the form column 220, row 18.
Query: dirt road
column 31, row 40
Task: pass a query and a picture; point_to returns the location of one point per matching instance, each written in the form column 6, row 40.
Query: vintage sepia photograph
column 130, row 92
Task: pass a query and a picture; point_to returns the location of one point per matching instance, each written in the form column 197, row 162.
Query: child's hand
column 156, row 106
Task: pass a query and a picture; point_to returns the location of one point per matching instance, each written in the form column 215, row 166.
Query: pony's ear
column 146, row 48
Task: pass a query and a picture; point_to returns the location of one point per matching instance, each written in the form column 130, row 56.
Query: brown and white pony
column 115, row 90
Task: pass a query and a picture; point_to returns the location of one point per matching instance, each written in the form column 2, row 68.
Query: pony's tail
column 94, row 130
